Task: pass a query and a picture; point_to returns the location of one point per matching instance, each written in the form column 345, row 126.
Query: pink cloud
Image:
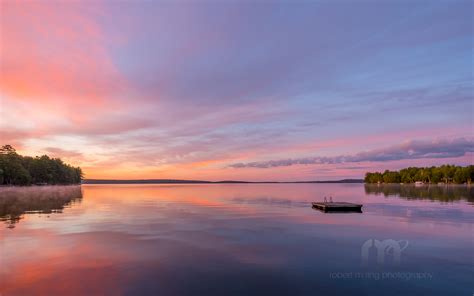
column 55, row 58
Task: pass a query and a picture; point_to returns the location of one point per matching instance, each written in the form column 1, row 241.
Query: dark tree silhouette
column 25, row 170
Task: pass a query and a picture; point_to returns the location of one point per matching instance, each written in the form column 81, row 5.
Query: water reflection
column 270, row 201
column 16, row 201
column 234, row 239
column 443, row 193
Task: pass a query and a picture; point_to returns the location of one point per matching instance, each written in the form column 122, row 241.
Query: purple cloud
column 409, row 150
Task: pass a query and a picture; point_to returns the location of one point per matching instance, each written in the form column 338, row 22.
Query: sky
column 241, row 90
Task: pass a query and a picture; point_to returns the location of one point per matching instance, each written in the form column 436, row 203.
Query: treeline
column 433, row 175
column 16, row 169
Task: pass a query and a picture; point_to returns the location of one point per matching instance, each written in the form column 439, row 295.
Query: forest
column 430, row 175
column 16, row 169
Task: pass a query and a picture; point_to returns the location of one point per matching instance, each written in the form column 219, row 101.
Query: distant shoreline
column 172, row 181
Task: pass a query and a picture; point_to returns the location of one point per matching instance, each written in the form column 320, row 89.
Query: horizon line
column 175, row 181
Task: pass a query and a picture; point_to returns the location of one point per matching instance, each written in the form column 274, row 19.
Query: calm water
column 235, row 239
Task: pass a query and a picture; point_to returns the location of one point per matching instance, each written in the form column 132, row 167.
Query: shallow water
column 235, row 239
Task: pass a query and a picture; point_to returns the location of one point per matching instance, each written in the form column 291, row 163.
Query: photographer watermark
column 377, row 276
column 387, row 248
column 385, row 252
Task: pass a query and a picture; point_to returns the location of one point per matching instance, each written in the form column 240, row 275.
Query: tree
column 408, row 175
column 447, row 172
column 436, row 175
column 444, row 173
column 25, row 170
column 7, row 149
column 391, row 177
column 22, row 177
column 470, row 170
column 373, row 177
column 461, row 175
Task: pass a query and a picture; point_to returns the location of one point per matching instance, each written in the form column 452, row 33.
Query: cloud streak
column 58, row 152
column 408, row 150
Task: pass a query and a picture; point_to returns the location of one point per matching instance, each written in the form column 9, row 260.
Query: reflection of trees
column 444, row 193
column 16, row 201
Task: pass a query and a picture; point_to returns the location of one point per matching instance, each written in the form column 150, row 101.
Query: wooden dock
column 337, row 207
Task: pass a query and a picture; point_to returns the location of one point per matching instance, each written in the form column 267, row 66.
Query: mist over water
column 235, row 239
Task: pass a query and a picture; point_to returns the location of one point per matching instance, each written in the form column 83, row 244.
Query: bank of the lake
column 16, row 169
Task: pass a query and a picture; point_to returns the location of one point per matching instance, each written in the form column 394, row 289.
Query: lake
column 236, row 239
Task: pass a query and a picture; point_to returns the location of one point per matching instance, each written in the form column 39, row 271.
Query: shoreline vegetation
column 16, row 169
column 445, row 174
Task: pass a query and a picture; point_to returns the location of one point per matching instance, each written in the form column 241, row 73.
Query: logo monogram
column 385, row 247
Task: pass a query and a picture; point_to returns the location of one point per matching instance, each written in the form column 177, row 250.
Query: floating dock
column 337, row 207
